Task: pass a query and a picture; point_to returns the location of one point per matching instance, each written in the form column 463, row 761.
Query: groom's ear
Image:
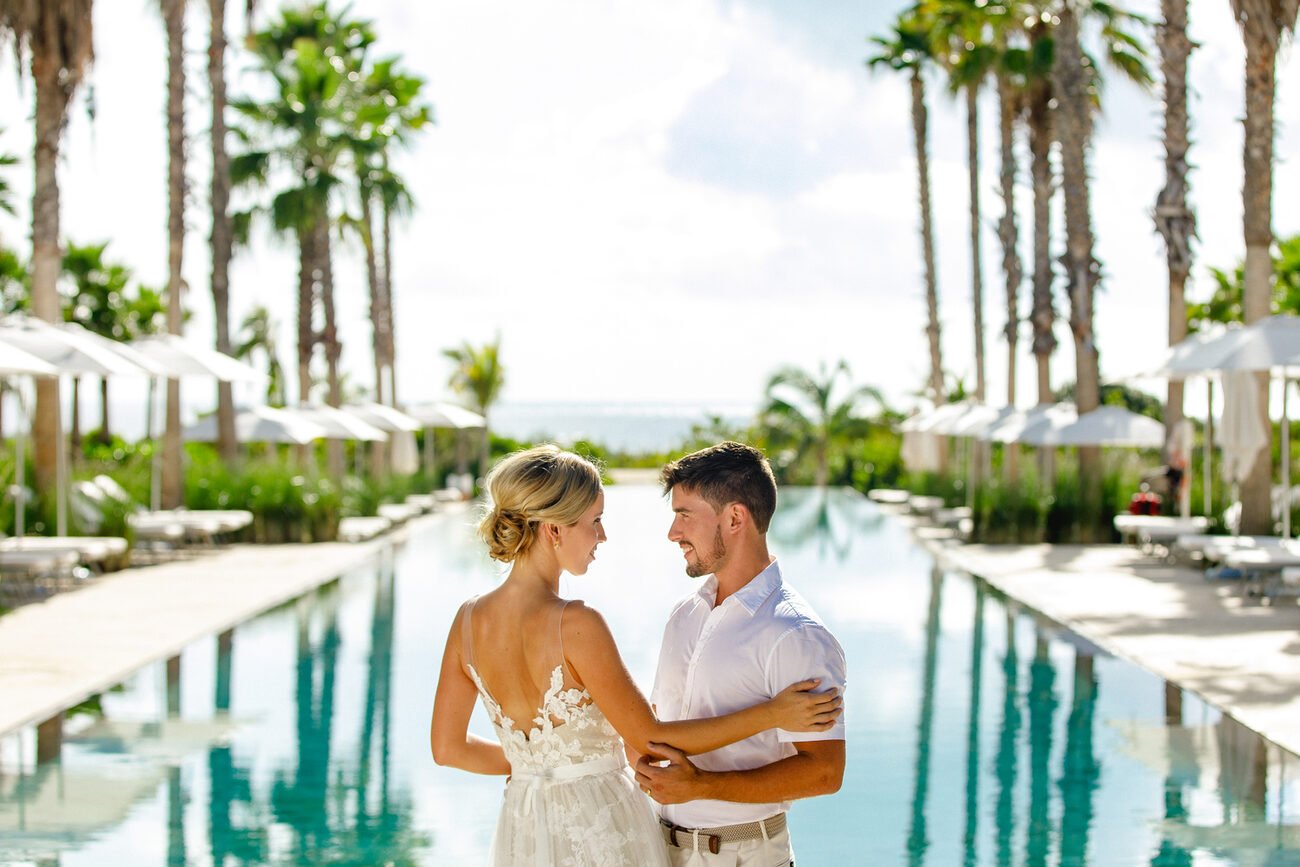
column 735, row 516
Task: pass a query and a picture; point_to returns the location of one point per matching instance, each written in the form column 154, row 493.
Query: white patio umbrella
column 179, row 358
column 342, row 425
column 1267, row 345
column 1023, row 426
column 934, row 419
column 1104, row 426
column 73, row 351
column 260, row 424
column 383, row 417
column 18, row 362
column 339, row 424
column 440, row 414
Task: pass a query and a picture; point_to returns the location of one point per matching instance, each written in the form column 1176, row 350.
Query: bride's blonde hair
column 543, row 484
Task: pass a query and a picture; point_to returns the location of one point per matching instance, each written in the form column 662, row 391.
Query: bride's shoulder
column 581, row 620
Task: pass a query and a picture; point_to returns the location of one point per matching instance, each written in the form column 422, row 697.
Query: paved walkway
column 1239, row 655
column 59, row 652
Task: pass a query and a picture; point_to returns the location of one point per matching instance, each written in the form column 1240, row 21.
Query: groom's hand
column 676, row 782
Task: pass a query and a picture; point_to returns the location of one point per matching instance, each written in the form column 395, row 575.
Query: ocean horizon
column 630, row 427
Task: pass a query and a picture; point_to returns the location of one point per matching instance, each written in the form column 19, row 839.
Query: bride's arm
column 453, row 704
column 591, row 651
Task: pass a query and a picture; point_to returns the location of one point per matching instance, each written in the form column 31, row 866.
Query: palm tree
column 963, row 31
column 257, row 334
column 813, row 414
column 1037, row 69
column 1076, row 84
column 390, row 112
column 1010, row 90
column 222, row 237
column 1175, row 221
column 316, row 60
column 1263, row 23
column 173, row 12
column 478, row 374
column 907, row 49
column 57, row 38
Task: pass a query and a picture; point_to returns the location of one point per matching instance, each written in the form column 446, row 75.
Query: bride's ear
column 551, row 533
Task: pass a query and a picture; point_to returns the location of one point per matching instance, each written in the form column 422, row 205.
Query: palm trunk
column 1174, row 220
column 329, row 337
column 981, row 449
column 105, row 432
column 1257, row 201
column 306, row 308
column 976, row 255
column 390, row 348
column 1008, row 234
column 51, row 108
column 74, row 422
column 379, row 450
column 1043, row 315
column 920, row 131
column 1074, row 124
column 920, row 122
column 227, row 444
column 174, row 18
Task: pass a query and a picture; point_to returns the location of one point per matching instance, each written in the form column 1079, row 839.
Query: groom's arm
column 817, row 768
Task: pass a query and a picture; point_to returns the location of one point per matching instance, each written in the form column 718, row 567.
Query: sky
column 664, row 202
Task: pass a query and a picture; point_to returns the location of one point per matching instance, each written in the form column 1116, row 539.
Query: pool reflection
column 980, row 733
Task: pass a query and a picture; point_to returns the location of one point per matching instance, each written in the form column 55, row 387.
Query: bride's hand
column 798, row 709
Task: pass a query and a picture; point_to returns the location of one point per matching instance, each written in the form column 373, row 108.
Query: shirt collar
column 752, row 595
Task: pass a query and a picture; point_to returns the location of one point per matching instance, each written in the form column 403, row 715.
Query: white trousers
column 773, row 852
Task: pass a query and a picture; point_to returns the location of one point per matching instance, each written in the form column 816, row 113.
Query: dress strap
column 559, row 631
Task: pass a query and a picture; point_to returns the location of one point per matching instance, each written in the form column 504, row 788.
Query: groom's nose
column 674, row 532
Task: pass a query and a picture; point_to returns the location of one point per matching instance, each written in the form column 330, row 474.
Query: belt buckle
column 715, row 840
column 715, row 843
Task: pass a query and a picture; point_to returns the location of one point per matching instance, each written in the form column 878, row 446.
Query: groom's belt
column 713, row 838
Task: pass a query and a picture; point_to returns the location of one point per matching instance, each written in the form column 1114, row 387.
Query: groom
column 743, row 637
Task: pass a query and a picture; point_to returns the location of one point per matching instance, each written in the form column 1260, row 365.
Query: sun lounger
column 1157, row 531
column 889, row 496
column 1211, row 549
column 361, row 529
column 423, row 502
column 398, row 513
column 98, row 553
column 922, row 505
column 202, row 526
column 27, row 575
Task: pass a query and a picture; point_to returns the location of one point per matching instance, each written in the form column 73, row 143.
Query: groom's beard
column 711, row 564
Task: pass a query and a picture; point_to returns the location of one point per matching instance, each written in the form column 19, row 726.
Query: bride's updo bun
column 541, row 485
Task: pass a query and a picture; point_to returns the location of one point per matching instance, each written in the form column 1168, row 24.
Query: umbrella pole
column 1207, row 446
column 1286, row 462
column 155, row 459
column 428, row 452
column 20, row 471
column 61, row 469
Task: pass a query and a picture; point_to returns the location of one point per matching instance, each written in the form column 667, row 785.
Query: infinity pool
column 979, row 734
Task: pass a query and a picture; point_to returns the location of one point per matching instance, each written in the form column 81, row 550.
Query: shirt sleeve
column 805, row 654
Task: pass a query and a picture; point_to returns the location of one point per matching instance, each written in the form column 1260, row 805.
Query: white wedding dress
column 571, row 800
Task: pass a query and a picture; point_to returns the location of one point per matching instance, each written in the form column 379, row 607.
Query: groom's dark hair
column 727, row 473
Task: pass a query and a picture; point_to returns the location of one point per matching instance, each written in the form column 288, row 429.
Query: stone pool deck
column 1239, row 655
column 56, row 653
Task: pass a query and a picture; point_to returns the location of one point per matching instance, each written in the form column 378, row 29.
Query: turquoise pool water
column 979, row 734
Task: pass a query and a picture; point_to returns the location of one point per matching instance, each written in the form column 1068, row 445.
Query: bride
column 556, row 690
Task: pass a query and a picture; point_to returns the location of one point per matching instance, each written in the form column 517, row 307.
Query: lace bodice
column 568, row 728
column 570, row 800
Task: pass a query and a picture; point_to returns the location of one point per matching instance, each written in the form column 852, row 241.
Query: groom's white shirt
column 718, row 660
